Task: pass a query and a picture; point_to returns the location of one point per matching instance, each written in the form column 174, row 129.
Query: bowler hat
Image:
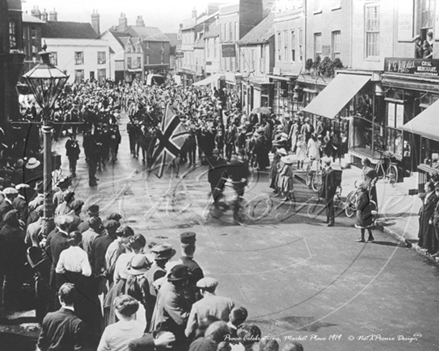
column 188, row 238
column 179, row 272
column 139, row 265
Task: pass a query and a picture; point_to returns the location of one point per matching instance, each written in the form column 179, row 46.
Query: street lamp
column 46, row 83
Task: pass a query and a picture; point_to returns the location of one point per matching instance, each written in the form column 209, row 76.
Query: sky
column 164, row 14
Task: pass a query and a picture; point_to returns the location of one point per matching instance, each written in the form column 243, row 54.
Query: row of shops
column 377, row 111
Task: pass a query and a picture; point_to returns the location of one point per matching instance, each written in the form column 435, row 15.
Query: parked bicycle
column 314, row 175
column 386, row 168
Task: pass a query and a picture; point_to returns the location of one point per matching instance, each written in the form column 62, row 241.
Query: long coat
column 171, row 313
column 427, row 237
column 328, row 189
column 364, row 218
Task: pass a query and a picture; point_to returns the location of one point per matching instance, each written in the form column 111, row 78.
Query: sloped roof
column 68, row 30
column 173, row 38
column 121, row 37
column 147, row 33
column 261, row 33
column 26, row 18
column 213, row 32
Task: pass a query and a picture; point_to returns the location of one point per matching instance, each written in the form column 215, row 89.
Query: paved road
column 299, row 279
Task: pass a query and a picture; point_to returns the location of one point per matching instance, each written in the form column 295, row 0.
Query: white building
column 77, row 51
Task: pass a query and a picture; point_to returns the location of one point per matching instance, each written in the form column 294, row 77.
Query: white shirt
column 117, row 336
column 74, row 259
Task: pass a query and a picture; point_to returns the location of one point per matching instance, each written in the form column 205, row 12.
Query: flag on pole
column 170, row 139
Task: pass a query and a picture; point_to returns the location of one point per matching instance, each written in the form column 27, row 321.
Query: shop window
column 372, row 30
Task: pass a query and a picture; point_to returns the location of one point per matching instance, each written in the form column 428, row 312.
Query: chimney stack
column 140, row 22
column 194, row 13
column 36, row 12
column 95, row 21
column 53, row 16
column 122, row 27
column 44, row 16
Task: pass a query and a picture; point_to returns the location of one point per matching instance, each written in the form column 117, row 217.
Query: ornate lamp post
column 46, row 83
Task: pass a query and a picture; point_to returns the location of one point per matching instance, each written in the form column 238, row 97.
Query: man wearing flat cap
column 172, row 309
column 188, row 248
column 209, row 305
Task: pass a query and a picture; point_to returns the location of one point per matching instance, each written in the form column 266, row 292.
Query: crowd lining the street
column 128, row 294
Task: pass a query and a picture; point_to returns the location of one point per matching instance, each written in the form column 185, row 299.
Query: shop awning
column 336, row 95
column 211, row 79
column 425, row 123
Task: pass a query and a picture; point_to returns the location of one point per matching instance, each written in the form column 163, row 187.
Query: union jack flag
column 170, row 139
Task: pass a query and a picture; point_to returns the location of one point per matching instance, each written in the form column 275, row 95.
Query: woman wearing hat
column 273, row 173
column 137, row 285
column 364, row 217
column 301, row 151
column 286, row 178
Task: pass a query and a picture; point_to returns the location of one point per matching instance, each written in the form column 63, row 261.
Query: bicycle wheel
column 392, row 175
column 350, row 204
column 258, row 207
column 374, row 211
column 379, row 171
column 317, row 181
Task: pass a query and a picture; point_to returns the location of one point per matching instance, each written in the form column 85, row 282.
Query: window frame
column 79, row 55
column 100, row 61
column 315, row 51
column 371, row 32
column 279, row 46
column 336, row 34
column 293, row 45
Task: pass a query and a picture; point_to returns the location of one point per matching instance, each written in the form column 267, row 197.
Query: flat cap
column 93, row 209
column 188, row 238
column 10, row 191
column 207, row 283
column 114, row 216
column 112, row 225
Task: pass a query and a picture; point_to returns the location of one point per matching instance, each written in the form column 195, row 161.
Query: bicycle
column 350, row 205
column 391, row 172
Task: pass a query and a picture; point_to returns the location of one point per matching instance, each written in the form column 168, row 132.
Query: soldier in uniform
column 188, row 248
column 72, row 153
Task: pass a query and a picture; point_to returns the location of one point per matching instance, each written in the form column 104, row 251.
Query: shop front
column 256, row 93
column 410, row 88
column 426, row 127
column 346, row 107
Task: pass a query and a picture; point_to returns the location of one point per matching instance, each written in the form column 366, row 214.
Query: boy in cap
column 92, row 211
column 209, row 305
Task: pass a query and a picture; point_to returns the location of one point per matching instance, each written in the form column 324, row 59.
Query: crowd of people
column 127, row 293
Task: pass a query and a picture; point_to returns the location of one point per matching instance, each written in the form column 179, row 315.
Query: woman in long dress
column 301, row 151
column 364, row 217
column 293, row 135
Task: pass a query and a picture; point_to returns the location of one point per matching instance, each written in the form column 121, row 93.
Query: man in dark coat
column 427, row 238
column 72, row 153
column 229, row 141
column 172, row 309
column 216, row 175
column 328, row 191
column 62, row 330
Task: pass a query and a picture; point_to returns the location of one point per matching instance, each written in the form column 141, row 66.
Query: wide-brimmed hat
column 139, row 265
column 179, row 272
column 207, row 283
column 163, row 251
column 288, row 160
column 10, row 191
column 32, row 163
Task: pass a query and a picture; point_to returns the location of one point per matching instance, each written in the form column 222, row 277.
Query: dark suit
column 145, row 343
column 328, row 192
column 5, row 207
column 171, row 314
column 61, row 330
column 55, row 244
column 21, row 206
column 427, row 237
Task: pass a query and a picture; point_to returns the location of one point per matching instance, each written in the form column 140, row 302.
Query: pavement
column 299, row 279
column 398, row 211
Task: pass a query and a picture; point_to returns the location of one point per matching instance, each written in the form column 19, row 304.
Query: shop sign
column 228, row 50
column 422, row 67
